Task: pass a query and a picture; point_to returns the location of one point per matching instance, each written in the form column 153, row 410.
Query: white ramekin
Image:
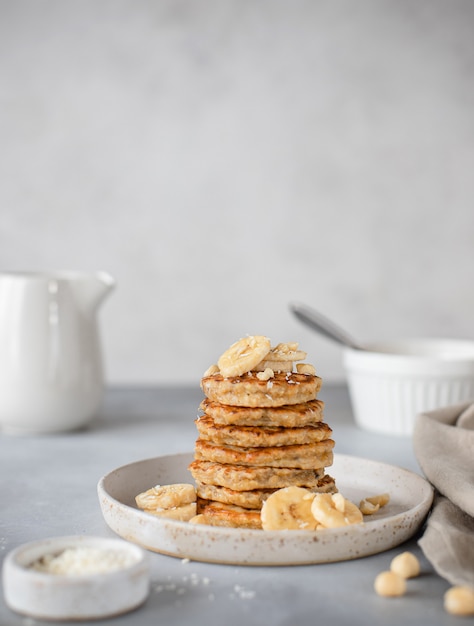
column 391, row 382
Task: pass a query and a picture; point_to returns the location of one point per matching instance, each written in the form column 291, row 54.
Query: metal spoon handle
column 323, row 325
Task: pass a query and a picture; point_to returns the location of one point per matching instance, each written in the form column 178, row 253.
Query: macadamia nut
column 389, row 584
column 459, row 600
column 405, row 565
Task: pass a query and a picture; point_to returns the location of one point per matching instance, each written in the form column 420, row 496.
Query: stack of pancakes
column 260, row 431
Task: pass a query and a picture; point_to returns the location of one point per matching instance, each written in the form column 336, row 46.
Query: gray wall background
column 223, row 157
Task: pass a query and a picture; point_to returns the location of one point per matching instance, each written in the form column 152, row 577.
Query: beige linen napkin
column 443, row 441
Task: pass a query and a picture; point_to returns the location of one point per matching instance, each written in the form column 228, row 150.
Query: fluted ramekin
column 391, row 382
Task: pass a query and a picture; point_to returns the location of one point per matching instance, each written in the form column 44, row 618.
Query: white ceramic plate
column 410, row 500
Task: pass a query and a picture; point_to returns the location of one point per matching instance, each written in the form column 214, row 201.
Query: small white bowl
column 391, row 382
column 83, row 596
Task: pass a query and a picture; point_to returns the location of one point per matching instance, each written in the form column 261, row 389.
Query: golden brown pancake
column 246, row 478
column 288, row 416
column 307, row 456
column 248, row 390
column 254, row 498
column 228, row 515
column 257, row 436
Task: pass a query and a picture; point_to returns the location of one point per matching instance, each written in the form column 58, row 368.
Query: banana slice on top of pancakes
column 252, row 374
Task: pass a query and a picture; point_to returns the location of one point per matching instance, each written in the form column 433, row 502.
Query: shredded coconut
column 82, row 561
column 243, row 594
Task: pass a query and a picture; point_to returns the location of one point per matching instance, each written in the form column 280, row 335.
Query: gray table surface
column 48, row 487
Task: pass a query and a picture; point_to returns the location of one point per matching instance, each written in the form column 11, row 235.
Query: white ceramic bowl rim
column 424, row 348
column 25, row 555
column 413, row 357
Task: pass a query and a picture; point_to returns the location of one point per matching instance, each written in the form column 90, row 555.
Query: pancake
column 249, row 390
column 254, row 498
column 261, row 429
column 246, row 478
column 307, row 456
column 228, row 515
column 256, row 436
column 287, row 416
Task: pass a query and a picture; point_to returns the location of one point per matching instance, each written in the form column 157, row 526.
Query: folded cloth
column 443, row 442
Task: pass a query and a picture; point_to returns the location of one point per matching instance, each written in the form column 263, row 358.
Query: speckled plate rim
column 410, row 501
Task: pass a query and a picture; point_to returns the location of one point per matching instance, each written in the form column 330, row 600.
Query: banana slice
column 211, row 370
column 276, row 366
column 286, row 352
column 288, row 509
column 182, row 513
column 243, row 355
column 334, row 511
column 166, row 496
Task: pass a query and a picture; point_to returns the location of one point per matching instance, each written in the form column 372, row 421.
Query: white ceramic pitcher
column 51, row 373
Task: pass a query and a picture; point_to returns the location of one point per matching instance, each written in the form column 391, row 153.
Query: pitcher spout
column 93, row 290
column 106, row 283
